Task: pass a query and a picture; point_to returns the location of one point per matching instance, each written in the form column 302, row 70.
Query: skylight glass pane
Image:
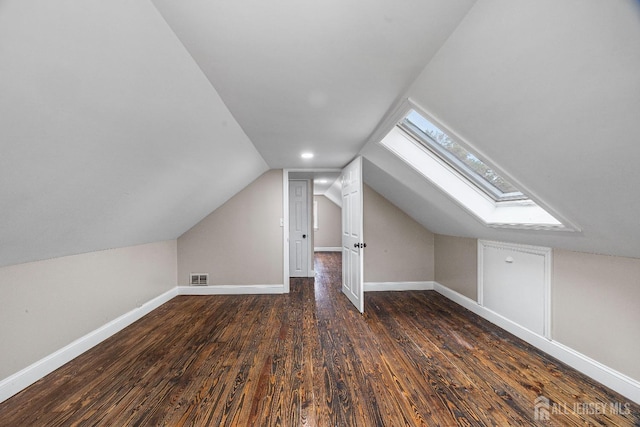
column 460, row 158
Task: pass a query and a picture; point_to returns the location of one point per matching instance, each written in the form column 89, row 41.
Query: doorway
column 319, row 181
column 353, row 286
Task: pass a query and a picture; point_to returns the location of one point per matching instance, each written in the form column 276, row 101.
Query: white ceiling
column 311, row 75
column 127, row 122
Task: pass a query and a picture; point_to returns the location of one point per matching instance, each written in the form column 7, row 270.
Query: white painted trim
column 32, row 373
column 310, row 229
column 398, row 286
column 285, row 229
column 542, row 251
column 231, row 290
column 328, row 249
column 611, row 378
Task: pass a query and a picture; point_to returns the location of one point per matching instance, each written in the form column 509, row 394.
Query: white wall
column 46, row 305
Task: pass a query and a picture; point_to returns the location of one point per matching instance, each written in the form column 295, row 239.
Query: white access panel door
column 352, row 239
column 298, row 228
column 515, row 283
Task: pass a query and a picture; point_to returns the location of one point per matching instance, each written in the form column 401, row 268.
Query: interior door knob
column 304, row 236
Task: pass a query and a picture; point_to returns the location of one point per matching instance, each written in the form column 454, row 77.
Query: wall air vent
column 199, row 279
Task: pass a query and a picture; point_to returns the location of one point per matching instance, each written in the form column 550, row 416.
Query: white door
column 514, row 281
column 298, row 228
column 352, row 240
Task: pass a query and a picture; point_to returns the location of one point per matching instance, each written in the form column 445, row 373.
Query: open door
column 352, row 240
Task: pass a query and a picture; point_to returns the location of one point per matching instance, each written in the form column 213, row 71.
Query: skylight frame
column 459, row 166
column 527, row 214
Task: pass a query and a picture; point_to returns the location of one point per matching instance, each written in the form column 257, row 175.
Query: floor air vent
column 199, row 279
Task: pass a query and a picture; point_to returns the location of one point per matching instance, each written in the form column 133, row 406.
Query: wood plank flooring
column 310, row 359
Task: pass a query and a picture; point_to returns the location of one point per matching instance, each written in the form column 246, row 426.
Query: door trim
column 285, row 229
column 285, row 218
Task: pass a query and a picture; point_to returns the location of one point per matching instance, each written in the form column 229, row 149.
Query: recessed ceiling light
column 320, row 181
column 307, row 155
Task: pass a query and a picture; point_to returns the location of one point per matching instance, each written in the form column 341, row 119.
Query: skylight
column 442, row 158
column 459, row 158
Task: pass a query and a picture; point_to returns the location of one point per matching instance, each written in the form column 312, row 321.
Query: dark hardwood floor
column 309, row 358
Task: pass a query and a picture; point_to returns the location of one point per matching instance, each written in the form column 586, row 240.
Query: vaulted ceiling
column 549, row 92
column 110, row 134
column 127, row 122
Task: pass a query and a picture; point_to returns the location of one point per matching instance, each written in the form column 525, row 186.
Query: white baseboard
column 32, row 373
column 611, row 378
column 328, row 249
column 398, row 286
column 230, row 289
